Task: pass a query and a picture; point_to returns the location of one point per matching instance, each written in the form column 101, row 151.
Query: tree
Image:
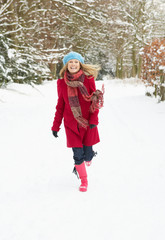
column 110, row 33
column 153, row 68
column 4, row 46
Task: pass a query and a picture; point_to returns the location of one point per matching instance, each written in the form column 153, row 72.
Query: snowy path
column 39, row 197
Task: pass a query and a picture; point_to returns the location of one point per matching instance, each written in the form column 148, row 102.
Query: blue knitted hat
column 73, row 55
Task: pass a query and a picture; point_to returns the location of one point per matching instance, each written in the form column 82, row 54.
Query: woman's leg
column 89, row 154
column 78, row 156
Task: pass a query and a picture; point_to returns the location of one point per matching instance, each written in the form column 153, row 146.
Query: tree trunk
column 162, row 88
column 53, row 69
column 134, row 65
column 139, row 67
column 119, row 67
column 12, row 28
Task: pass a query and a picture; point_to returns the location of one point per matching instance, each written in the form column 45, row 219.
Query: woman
column 78, row 103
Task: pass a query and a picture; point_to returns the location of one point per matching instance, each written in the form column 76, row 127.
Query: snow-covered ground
column 39, row 197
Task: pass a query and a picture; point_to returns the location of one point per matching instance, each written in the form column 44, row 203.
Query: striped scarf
column 75, row 82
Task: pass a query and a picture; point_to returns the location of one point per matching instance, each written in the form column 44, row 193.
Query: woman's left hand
column 92, row 126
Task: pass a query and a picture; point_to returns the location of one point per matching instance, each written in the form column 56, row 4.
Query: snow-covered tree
column 153, row 68
column 131, row 28
column 19, row 65
column 110, row 33
column 22, row 61
column 4, row 57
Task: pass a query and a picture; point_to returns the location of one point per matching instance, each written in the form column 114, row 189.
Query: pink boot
column 83, row 176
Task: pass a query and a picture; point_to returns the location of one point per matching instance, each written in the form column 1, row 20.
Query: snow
column 11, row 53
column 162, row 68
column 39, row 197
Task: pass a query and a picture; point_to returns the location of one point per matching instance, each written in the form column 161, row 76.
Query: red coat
column 76, row 137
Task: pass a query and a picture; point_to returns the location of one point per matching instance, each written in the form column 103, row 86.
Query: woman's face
column 73, row 66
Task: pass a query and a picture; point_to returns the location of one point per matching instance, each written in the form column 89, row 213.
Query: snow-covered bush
column 153, row 67
column 20, row 65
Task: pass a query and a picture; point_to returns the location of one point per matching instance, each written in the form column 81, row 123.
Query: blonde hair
column 88, row 69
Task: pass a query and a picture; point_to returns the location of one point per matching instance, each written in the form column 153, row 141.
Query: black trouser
column 83, row 154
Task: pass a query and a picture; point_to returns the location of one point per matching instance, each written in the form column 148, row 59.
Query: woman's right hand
column 55, row 134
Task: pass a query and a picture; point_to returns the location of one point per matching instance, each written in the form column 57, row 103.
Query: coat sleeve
column 59, row 108
column 93, row 118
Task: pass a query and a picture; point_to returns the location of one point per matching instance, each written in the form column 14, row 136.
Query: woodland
column 35, row 35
